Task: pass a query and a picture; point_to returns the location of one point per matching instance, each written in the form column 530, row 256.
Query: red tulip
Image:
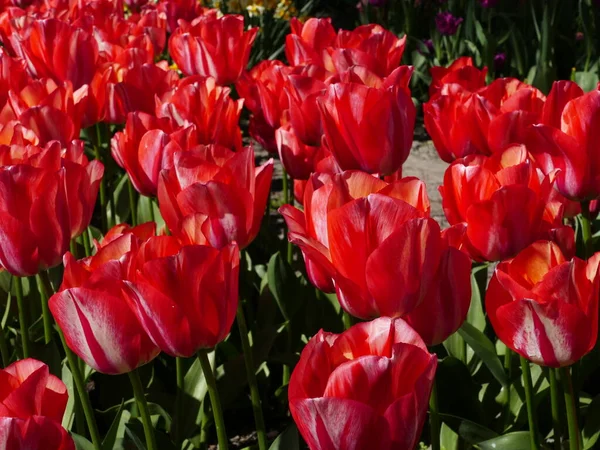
column 214, row 196
column 503, row 202
column 185, row 297
column 44, row 107
column 28, row 389
column 303, row 91
column 201, row 102
column 376, row 244
column 365, row 388
column 461, row 72
column 307, row 41
column 12, row 76
column 367, row 128
column 34, row 433
column 174, row 10
column 571, row 145
column 92, row 309
column 54, row 49
column 133, row 88
column 213, row 46
column 371, row 46
column 146, row 146
column 263, row 94
column 544, row 306
column 297, row 158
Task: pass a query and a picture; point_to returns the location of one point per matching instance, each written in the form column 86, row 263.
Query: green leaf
column 475, row 316
column 108, row 443
column 133, row 431
column 518, row 440
column 81, row 443
column 448, row 438
column 484, row 348
column 458, row 393
column 283, row 285
column 288, row 440
column 591, row 429
column 587, row 80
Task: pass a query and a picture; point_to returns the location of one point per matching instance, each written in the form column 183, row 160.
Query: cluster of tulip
column 82, row 77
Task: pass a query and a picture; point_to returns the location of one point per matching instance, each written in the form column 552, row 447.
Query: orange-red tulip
column 213, row 196
column 461, row 72
column 307, row 41
column 351, row 391
column 213, row 46
column 200, row 101
column 504, row 204
column 545, row 306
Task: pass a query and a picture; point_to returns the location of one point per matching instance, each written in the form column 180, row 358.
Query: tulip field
column 208, row 239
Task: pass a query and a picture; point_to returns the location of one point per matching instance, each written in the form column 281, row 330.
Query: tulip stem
column 87, row 246
column 3, row 344
column 45, row 289
column 531, row 417
column 179, row 400
column 142, row 404
column 102, row 194
column 508, row 367
column 22, row 317
column 434, row 418
column 287, row 200
column 82, row 392
column 215, row 401
column 554, row 399
column 570, row 402
column 132, row 206
column 252, row 382
column 586, row 228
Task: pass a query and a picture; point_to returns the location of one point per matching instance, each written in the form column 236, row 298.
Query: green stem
column 102, row 194
column 132, row 204
column 288, row 201
column 87, row 245
column 22, row 317
column 3, row 344
column 73, row 248
column 574, row 435
column 215, row 401
column 140, row 398
column 586, row 228
column 531, row 417
column 45, row 289
column 179, row 400
column 555, row 401
column 252, row 382
column 81, row 391
column 113, row 210
column 346, row 319
column 434, row 418
column 152, row 217
column 508, row 367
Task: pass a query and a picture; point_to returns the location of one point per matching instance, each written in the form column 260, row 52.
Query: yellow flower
column 255, row 10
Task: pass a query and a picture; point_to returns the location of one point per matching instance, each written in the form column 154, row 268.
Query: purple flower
column 377, row 3
column 447, row 24
column 499, row 61
column 488, row 3
column 428, row 43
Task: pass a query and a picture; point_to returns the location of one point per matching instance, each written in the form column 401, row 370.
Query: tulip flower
column 213, row 46
column 351, row 391
column 303, row 92
column 297, row 158
column 32, row 405
column 375, row 243
column 184, row 297
column 569, row 144
column 545, row 306
column 199, row 101
column 368, row 128
column 308, row 41
column 146, row 146
column 263, row 94
column 174, row 10
column 92, row 308
column 461, row 72
column 55, row 49
column 504, row 204
column 213, row 196
column 13, row 76
column 46, row 108
column 34, row 433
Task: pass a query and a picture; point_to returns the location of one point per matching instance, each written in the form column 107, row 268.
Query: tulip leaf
column 194, row 391
column 591, row 429
column 283, row 285
column 81, row 443
column 288, row 440
column 476, row 316
column 147, row 211
column 458, row 392
column 519, row 440
column 484, row 348
column 470, row 431
column 108, row 443
column 448, row 438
